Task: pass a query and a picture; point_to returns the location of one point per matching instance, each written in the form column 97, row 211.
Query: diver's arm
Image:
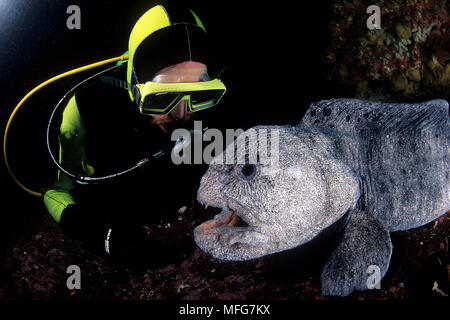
column 81, row 221
column 71, row 157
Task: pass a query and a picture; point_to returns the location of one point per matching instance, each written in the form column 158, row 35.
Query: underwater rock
column 362, row 87
column 445, row 77
column 413, row 34
column 437, row 75
column 413, row 74
column 403, row 30
column 343, row 71
column 371, row 37
column 398, row 82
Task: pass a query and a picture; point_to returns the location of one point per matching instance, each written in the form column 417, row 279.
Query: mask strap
column 115, row 82
column 221, row 71
column 124, row 85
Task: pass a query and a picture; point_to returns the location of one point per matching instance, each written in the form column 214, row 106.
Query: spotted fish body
column 385, row 164
column 401, row 157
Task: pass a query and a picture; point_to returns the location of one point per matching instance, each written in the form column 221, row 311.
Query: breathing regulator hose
column 19, row 105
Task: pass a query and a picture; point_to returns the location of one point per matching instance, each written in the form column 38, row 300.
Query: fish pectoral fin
column 249, row 237
column 360, row 260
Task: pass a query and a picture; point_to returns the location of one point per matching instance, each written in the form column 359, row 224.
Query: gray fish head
column 271, row 206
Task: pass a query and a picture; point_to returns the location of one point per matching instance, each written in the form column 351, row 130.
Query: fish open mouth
column 226, row 218
column 231, row 235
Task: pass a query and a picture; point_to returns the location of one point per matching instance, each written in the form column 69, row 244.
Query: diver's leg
column 120, row 241
column 363, row 253
column 141, row 246
column 85, row 224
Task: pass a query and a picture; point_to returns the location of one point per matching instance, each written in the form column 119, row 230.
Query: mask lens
column 204, row 99
column 179, row 112
column 161, row 102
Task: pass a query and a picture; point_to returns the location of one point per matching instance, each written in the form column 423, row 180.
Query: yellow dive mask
column 156, row 98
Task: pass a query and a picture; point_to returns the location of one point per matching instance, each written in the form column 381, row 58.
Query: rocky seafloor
column 34, row 267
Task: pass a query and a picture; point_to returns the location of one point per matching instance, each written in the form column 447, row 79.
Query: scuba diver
column 118, row 117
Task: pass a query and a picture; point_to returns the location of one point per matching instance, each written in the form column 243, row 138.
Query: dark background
column 274, row 54
column 272, row 50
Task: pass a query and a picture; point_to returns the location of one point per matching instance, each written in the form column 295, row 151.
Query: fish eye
column 248, row 171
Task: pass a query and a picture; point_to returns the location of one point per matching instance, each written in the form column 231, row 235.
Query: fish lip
column 231, row 242
column 224, row 219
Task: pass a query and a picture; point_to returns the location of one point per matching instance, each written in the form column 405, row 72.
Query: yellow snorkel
column 29, row 94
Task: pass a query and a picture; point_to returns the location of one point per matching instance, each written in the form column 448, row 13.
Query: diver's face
column 183, row 72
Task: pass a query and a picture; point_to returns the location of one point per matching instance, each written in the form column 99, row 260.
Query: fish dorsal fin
column 354, row 115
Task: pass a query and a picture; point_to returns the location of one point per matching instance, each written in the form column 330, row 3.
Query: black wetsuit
column 116, row 138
